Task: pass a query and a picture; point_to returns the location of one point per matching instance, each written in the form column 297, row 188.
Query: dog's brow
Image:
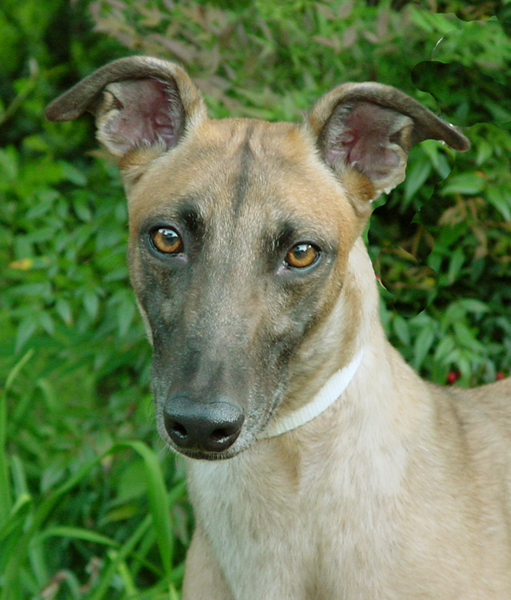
column 285, row 235
column 191, row 217
column 292, row 231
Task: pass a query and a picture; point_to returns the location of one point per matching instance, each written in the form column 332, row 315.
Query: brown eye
column 302, row 255
column 166, row 240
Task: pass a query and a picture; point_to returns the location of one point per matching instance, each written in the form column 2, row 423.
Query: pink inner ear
column 362, row 138
column 149, row 112
column 161, row 117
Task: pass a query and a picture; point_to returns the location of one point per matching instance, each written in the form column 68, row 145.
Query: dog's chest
column 282, row 535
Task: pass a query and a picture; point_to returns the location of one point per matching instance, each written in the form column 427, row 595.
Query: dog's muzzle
column 202, row 427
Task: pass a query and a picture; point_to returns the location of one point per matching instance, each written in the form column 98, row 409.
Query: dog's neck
column 330, row 392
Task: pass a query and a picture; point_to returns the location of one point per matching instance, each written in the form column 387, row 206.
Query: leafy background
column 91, row 505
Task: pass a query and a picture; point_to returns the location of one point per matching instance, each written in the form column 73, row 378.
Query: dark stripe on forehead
column 242, row 178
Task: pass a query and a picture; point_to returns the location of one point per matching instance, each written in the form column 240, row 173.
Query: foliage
column 27, row 525
column 83, row 504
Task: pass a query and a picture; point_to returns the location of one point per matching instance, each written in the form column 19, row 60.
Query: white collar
column 326, row 396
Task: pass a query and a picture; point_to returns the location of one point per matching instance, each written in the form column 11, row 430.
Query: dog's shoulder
column 484, row 412
column 493, row 399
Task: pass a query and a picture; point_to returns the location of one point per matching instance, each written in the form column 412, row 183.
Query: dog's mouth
column 208, row 456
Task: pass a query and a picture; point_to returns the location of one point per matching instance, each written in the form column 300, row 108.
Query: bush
column 74, row 488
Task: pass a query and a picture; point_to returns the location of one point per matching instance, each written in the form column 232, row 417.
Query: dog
column 320, row 465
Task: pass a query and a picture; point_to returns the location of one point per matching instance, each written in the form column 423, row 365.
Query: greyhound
column 320, row 466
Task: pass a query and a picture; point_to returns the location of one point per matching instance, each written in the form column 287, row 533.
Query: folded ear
column 370, row 128
column 142, row 106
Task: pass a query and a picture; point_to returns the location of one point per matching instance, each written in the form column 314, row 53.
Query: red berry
column 499, row 375
column 451, row 377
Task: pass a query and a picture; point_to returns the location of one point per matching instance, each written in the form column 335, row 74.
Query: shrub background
column 91, row 506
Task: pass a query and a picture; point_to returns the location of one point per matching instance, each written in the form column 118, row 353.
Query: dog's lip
column 209, row 456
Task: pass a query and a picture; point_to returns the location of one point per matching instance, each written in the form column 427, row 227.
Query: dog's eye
column 302, row 255
column 166, row 240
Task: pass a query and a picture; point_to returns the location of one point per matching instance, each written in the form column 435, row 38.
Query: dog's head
column 243, row 251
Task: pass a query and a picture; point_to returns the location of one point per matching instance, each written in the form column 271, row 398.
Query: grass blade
column 101, row 590
column 5, row 484
column 158, row 502
column 77, row 533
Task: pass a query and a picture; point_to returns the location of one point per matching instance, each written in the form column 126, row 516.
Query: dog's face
column 237, row 261
column 240, row 236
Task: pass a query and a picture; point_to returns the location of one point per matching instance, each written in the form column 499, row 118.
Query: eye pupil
column 166, row 240
column 301, row 250
column 302, row 255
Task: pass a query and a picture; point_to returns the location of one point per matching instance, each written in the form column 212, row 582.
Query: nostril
column 177, row 429
column 220, row 435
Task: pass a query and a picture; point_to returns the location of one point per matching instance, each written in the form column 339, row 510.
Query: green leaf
column 464, row 183
column 423, row 343
column 91, row 304
column 484, row 152
column 501, row 200
column 25, row 331
column 158, row 502
column 63, row 309
column 401, row 329
column 448, row 236
column 12, row 524
column 472, row 305
column 466, row 338
column 444, row 347
column 416, row 177
column 74, row 175
column 455, row 264
column 125, row 314
column 82, row 209
column 77, row 533
column 5, row 483
column 116, row 559
column 9, row 165
column 46, row 322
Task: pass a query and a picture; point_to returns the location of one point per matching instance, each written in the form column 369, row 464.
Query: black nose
column 210, row 427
